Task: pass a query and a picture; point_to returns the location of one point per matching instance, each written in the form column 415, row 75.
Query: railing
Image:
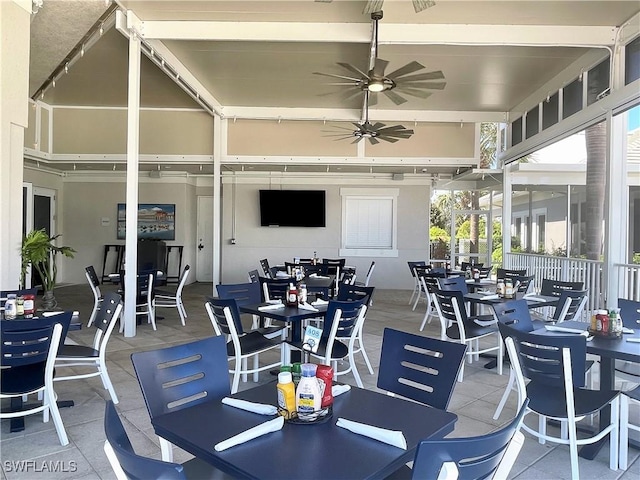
column 628, row 280
column 589, row 272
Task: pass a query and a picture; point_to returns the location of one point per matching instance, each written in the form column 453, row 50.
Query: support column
column 133, row 142
column 506, row 211
column 15, row 25
column 616, row 228
column 217, row 197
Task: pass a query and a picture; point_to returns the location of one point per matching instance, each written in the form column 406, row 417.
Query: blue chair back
column 576, row 297
column 217, row 307
column 408, row 360
column 556, row 287
column 254, row 276
column 107, row 310
column 177, row 377
column 244, row 293
column 454, row 283
column 630, row 312
column 475, row 457
column 277, row 287
column 347, row 292
column 465, row 265
column 347, row 322
column 514, row 313
column 413, row 265
column 503, row 273
column 540, row 356
column 431, row 279
column 133, row 465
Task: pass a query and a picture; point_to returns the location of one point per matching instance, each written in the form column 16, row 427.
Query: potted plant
column 38, row 250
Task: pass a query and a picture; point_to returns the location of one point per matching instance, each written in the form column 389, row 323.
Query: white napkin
column 319, row 302
column 533, row 296
column 392, row 437
column 281, row 274
column 275, row 306
column 556, row 328
column 255, row 432
column 261, row 408
column 339, row 389
column 491, row 296
column 633, row 340
column 627, row 330
column 315, row 275
column 307, row 306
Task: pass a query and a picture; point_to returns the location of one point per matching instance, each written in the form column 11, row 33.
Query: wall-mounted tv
column 292, row 208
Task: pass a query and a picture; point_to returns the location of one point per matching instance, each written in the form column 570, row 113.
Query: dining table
column 318, row 450
column 292, row 315
column 609, row 350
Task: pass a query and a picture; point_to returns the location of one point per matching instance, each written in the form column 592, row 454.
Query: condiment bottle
column 29, row 305
column 324, row 374
column 20, row 306
column 296, row 372
column 308, row 395
column 286, row 394
column 476, row 274
column 500, row 288
column 10, row 307
column 292, row 295
column 302, row 293
column 314, row 260
column 508, row 288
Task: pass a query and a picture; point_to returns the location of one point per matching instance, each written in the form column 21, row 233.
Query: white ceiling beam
column 350, row 115
column 416, row 34
column 368, row 161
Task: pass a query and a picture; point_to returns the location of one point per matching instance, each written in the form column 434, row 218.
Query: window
column 541, row 222
column 369, row 222
column 572, row 98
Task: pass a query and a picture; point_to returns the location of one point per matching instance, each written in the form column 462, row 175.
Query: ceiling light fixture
column 376, row 86
column 82, row 51
column 66, row 67
column 101, row 29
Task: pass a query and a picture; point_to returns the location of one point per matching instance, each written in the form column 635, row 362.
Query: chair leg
column 236, row 375
column 166, row 448
column 151, row 313
column 244, row 368
column 505, row 395
column 50, row 398
column 419, row 294
column 624, row 431
column 354, row 369
column 365, row 356
column 542, row 428
column 104, row 375
column 614, row 440
column 256, row 365
column 573, row 448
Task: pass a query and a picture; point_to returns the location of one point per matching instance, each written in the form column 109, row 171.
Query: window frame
column 370, row 194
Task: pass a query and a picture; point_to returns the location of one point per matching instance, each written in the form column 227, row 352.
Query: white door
column 204, row 248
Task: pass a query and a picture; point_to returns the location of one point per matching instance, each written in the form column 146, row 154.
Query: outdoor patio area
column 474, row 400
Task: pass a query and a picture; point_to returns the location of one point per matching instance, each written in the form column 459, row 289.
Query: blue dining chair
column 421, row 368
column 126, row 464
column 549, row 371
column 486, row 456
column 181, row 376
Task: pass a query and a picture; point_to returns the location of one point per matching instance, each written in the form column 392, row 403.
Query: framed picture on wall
column 156, row 221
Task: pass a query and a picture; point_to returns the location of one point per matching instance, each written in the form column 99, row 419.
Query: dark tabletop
column 317, row 451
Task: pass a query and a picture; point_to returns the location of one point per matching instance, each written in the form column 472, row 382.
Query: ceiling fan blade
column 426, row 85
column 437, row 75
column 373, row 6
column 348, row 84
column 414, row 92
column 394, row 97
column 373, row 98
column 418, row 5
column 353, row 69
column 378, row 69
column 373, row 140
column 377, row 126
column 333, row 75
column 407, row 69
column 388, row 139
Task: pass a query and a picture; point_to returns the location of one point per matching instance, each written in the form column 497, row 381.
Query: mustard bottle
column 286, row 394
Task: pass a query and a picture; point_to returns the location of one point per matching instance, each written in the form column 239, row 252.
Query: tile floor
column 474, row 400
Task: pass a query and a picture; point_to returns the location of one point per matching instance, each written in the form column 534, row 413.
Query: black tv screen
column 292, row 208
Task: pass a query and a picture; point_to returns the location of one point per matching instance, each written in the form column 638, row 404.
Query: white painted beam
column 389, row 33
column 351, row 115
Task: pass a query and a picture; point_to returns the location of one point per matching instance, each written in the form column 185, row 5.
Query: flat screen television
column 292, row 208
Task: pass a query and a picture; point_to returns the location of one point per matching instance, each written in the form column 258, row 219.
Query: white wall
column 281, row 244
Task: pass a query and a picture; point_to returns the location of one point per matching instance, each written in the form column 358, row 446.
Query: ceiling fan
column 373, row 132
column 376, row 5
column 376, row 81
